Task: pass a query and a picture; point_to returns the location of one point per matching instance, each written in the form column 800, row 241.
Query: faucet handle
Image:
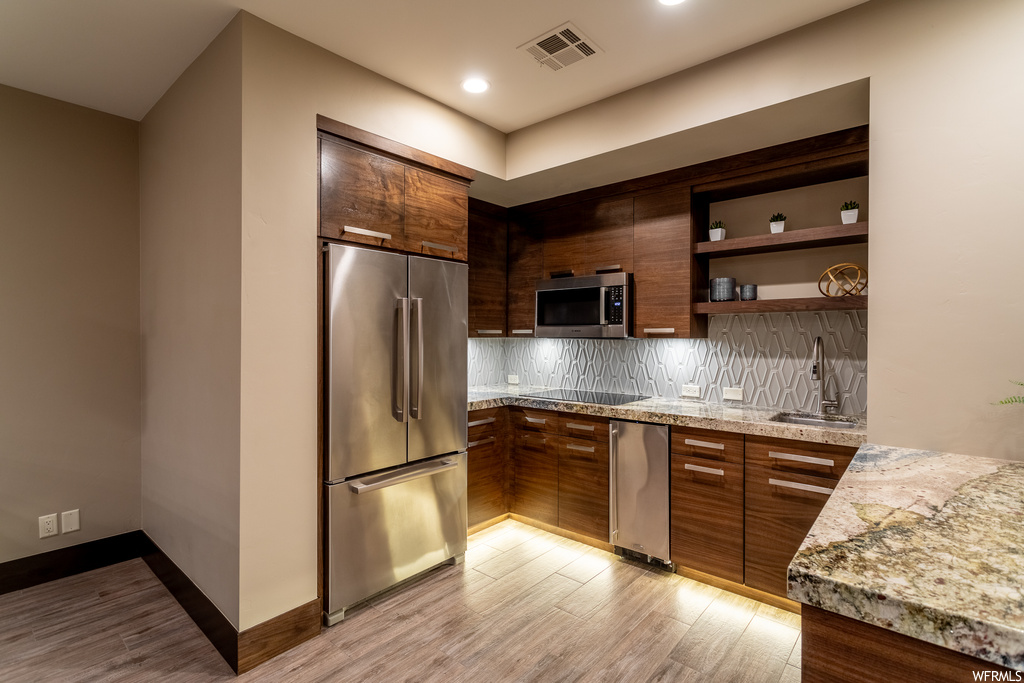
column 829, row 406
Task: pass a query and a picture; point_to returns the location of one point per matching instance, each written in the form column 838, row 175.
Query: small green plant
column 718, row 225
column 777, row 217
column 849, row 206
column 1013, row 399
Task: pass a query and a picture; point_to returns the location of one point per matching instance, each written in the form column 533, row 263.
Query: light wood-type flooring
column 526, row 605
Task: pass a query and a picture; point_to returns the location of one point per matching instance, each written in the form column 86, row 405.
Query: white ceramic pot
column 777, row 226
column 717, row 234
column 849, row 216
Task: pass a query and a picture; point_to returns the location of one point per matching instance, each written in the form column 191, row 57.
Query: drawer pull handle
column 522, row 331
column 659, row 330
column 704, row 444
column 489, row 331
column 605, row 269
column 440, row 247
column 801, row 458
column 705, row 470
column 585, row 449
column 477, row 443
column 801, row 487
column 477, row 423
column 536, row 420
column 366, row 233
column 527, row 437
column 582, row 428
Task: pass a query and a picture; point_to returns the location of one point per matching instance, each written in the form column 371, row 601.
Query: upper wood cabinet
column 380, row 192
column 663, row 267
column 488, row 269
column 608, row 241
column 564, row 238
column 525, row 267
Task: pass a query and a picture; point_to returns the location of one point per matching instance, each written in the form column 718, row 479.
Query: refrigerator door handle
column 382, row 481
column 613, row 503
column 416, row 393
column 400, row 371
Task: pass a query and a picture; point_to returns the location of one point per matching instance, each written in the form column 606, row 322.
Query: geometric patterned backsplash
column 768, row 354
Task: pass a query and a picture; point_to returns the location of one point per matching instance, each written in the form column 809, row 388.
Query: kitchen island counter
column 928, row 545
column 741, row 419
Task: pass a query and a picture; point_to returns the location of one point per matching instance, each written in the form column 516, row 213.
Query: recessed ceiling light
column 475, row 85
column 670, row 2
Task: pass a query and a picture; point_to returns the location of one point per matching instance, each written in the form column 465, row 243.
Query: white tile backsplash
column 768, row 354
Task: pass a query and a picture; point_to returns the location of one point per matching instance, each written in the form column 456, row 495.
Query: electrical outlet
column 690, row 391
column 732, row 393
column 48, row 525
column 513, row 379
column 69, row 521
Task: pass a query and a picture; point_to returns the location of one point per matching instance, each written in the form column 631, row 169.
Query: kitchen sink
column 815, row 420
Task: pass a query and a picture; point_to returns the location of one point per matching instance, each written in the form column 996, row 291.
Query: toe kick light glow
column 475, row 85
column 670, row 2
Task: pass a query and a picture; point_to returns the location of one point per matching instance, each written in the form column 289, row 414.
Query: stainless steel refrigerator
column 395, row 465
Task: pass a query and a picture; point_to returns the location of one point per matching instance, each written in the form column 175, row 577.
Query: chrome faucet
column 823, row 406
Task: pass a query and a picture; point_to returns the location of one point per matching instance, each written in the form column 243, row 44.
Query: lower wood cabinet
column 535, row 463
column 583, row 486
column 488, row 461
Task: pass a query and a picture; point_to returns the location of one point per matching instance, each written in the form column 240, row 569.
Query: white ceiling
column 120, row 56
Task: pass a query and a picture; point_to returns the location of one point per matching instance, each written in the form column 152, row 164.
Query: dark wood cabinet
column 436, row 215
column 782, row 501
column 664, row 269
column 564, row 240
column 362, row 196
column 583, row 486
column 608, row 244
column 488, row 462
column 535, row 467
column 488, row 274
column 525, row 267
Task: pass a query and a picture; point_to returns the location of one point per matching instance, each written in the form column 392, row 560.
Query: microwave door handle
column 604, row 313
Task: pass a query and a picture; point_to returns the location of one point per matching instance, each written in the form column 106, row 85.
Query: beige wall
column 945, row 185
column 69, row 317
column 287, row 82
column 191, row 320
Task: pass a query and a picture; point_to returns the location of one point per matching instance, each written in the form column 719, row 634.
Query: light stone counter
column 741, row 419
column 930, row 545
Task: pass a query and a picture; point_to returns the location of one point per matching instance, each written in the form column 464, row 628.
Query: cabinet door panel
column 707, row 516
column 780, row 509
column 488, row 276
column 663, row 267
column 608, row 229
column 436, row 215
column 535, row 463
column 525, row 267
column 564, row 241
column 583, row 487
column 486, row 481
column 361, row 190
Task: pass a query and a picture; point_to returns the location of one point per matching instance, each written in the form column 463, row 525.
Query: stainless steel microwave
column 589, row 307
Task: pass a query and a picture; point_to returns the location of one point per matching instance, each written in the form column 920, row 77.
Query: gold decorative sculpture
column 843, row 279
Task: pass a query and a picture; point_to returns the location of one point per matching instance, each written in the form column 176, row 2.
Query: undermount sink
column 814, row 420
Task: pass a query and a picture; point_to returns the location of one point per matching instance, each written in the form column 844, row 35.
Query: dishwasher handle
column 381, row 481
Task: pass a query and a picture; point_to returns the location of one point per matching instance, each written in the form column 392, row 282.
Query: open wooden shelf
column 814, row 303
column 808, row 238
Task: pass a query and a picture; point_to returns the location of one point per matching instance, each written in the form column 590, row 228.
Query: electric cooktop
column 576, row 396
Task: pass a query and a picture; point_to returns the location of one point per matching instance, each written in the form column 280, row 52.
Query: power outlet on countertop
column 689, row 391
column 48, row 525
column 513, row 379
column 732, row 393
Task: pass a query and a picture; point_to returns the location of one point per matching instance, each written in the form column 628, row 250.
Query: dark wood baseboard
column 280, row 634
column 838, row 649
column 58, row 564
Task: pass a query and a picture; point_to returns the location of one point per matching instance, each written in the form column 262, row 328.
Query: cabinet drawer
column 535, row 420
column 584, row 426
column 786, row 455
column 707, row 516
column 485, row 423
column 780, row 509
column 708, row 443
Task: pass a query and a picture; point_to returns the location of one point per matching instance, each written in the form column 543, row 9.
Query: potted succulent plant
column 777, row 222
column 848, row 211
column 717, row 231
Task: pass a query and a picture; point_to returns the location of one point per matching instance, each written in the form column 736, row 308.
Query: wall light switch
column 690, row 391
column 69, row 521
column 732, row 393
column 48, row 525
column 513, row 379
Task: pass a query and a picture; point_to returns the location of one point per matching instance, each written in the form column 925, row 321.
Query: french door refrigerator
column 395, row 465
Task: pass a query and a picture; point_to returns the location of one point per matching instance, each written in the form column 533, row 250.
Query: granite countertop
column 930, row 545
column 742, row 419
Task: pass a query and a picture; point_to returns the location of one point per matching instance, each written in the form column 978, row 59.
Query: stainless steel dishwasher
column 639, row 514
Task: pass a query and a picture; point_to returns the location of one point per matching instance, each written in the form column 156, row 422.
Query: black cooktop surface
column 577, row 396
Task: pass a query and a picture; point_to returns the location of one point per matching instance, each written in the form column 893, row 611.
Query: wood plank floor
column 525, row 606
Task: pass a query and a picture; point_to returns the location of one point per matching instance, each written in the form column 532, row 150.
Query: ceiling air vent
column 560, row 47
